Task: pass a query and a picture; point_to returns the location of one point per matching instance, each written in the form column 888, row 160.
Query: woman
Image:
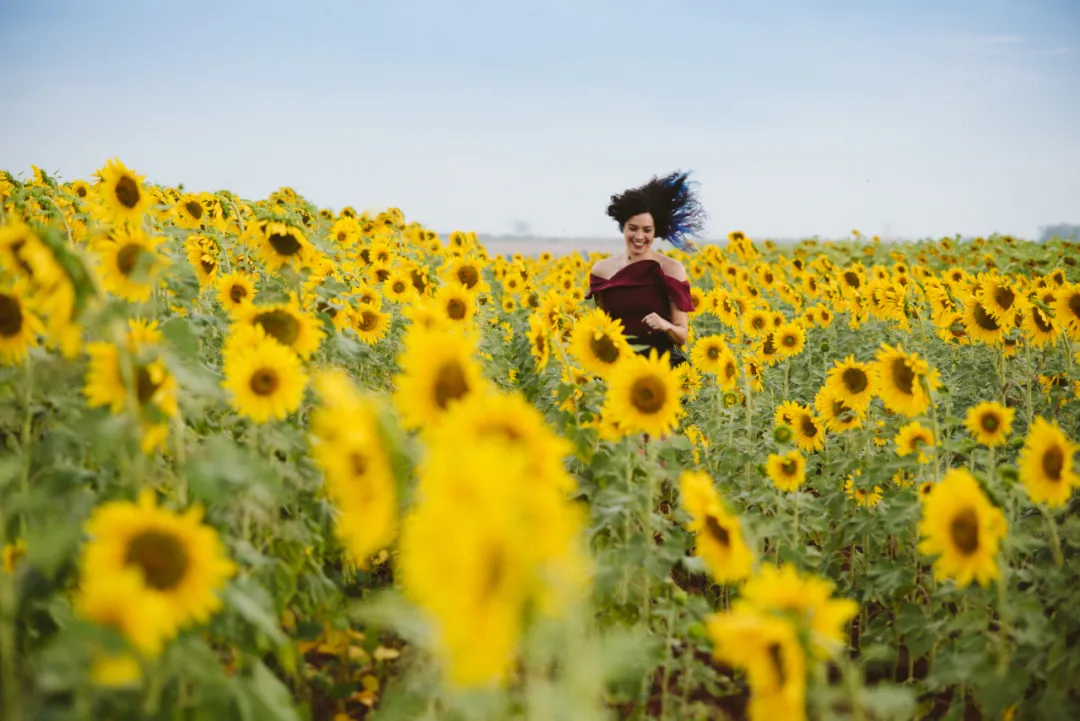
column 647, row 291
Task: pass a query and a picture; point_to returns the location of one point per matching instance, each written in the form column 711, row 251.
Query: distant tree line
column 1065, row 231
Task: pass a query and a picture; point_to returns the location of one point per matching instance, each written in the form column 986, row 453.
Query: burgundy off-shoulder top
column 637, row 289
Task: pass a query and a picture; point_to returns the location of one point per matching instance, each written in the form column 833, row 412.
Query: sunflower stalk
column 9, row 682
column 1055, row 539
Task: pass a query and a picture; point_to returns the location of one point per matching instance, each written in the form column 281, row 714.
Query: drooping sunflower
column 997, row 296
column 914, row 438
column 903, row 380
column 121, row 195
column 130, row 262
column 718, row 533
column 286, row 323
column 19, row 325
column 539, row 341
column 181, row 562
column 644, row 392
column 786, row 471
column 369, row 323
column 981, row 325
column 265, row 380
column 1039, row 327
column 962, row 528
column 437, row 370
column 202, row 253
column 838, row 415
column 1067, row 310
column 598, row 343
column 990, row 423
column 235, row 291
column 1046, row 464
column 809, row 431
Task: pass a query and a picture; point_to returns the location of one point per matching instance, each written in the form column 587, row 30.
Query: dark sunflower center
column 789, row 467
column 11, row 316
column 1053, row 461
column 80, row 191
column 964, row 530
column 769, row 346
column 237, row 293
column 160, row 556
column 144, row 385
column 717, row 532
column 903, row 377
column 358, row 462
column 1004, row 297
column 852, row 279
column 468, row 276
column 807, row 425
column 648, row 394
column 1040, row 320
column 855, row 380
column 450, row 384
column 284, row 244
column 281, row 325
column 983, row 319
column 455, row 309
column 758, row 322
column 208, row 264
column 194, row 209
column 730, row 370
column 127, row 192
column 776, row 657
column 369, row 321
column 789, row 341
column 264, row 382
column 713, row 353
column 604, row 349
column 419, row 281
column 128, row 257
column 990, row 423
column 1074, row 304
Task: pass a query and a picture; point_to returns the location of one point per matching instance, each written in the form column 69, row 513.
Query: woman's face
column 639, row 233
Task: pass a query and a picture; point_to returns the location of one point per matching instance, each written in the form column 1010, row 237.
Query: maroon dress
column 637, row 289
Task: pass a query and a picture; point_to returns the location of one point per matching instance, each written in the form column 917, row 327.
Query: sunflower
column 1039, row 327
column 862, row 497
column 437, row 370
column 236, row 291
column 1046, row 464
column 787, row 471
column 370, row 323
column 130, row 263
column 181, row 562
column 809, row 432
column 903, row 379
column 806, row 599
column 455, row 303
column 468, row 272
column 1067, row 310
column 598, row 342
column 539, row 341
column 119, row 601
column 756, row 322
column 990, row 423
column 188, row 212
column 981, row 325
column 644, row 393
column 265, row 380
column 19, row 325
column 708, row 354
column 838, row 415
column 107, row 384
column 398, row 286
column 345, row 232
column 202, row 253
column 997, row 296
column 717, row 533
column 790, row 339
column 286, row 323
column 962, row 528
column 913, row 438
column 281, row 244
column 121, row 195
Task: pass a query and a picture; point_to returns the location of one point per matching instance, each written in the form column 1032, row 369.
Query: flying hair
column 675, row 209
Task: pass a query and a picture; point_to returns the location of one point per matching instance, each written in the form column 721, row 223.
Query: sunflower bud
column 783, row 434
column 730, row 399
column 1008, row 474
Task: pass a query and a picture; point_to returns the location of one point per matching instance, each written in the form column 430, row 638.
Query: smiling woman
column 645, row 290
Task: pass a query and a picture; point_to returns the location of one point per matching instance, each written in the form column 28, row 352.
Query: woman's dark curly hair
column 676, row 212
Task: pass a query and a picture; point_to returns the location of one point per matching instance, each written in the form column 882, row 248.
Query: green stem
column 1030, row 374
column 1055, row 540
column 9, row 683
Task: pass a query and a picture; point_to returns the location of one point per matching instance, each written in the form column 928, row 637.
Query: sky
column 904, row 119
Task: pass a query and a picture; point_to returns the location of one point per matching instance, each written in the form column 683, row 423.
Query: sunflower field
column 263, row 460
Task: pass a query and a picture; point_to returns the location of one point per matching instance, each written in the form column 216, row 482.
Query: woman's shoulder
column 605, row 267
column 671, row 267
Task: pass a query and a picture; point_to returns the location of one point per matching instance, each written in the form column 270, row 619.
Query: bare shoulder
column 672, row 267
column 605, row 267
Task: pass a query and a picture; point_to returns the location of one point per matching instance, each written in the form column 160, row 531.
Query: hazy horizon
column 906, row 120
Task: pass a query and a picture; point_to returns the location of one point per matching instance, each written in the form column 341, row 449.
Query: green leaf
column 254, row 606
column 181, row 338
column 270, row 697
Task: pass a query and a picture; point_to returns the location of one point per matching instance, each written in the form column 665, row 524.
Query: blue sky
column 910, row 119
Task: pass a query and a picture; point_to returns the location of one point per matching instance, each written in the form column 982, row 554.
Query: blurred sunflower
column 717, row 533
column 455, row 304
column 265, row 380
column 369, row 323
column 786, row 471
column 188, row 212
column 644, row 394
column 286, row 323
column 1067, row 310
column 913, row 438
column 1046, row 464
column 19, row 325
column 437, row 370
column 990, row 423
column 598, row 343
column 236, row 290
column 281, row 244
column 121, row 195
column 130, row 264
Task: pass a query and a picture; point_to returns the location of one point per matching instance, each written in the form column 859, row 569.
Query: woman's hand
column 655, row 322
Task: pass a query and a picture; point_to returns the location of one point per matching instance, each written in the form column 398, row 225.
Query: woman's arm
column 676, row 329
